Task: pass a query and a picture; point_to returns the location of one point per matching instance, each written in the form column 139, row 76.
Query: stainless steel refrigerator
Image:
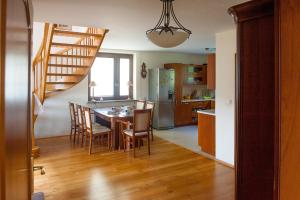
column 161, row 91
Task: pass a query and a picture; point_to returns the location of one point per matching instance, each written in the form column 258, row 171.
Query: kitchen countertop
column 195, row 100
column 207, row 112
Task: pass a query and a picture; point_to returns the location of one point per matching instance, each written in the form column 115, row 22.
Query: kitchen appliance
column 161, row 92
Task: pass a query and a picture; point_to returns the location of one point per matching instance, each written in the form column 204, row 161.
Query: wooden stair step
column 67, row 45
column 72, row 66
column 54, row 90
column 70, row 56
column 59, row 83
column 75, row 34
column 58, row 74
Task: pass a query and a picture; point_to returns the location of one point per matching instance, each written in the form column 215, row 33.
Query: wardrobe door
column 289, row 53
column 15, row 141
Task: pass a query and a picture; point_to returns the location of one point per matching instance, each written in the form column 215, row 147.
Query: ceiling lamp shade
column 165, row 35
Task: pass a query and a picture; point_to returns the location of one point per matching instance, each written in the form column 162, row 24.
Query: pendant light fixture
column 164, row 34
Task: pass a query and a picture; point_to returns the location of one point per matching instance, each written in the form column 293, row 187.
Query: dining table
column 111, row 117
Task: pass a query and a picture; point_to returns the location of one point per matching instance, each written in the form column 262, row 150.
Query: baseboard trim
column 224, row 163
column 56, row 136
column 217, row 160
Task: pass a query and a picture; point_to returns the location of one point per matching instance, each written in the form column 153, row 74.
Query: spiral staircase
column 64, row 58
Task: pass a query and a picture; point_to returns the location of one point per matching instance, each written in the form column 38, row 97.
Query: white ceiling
column 128, row 20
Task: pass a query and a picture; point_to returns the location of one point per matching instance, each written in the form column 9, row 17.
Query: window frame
column 116, row 57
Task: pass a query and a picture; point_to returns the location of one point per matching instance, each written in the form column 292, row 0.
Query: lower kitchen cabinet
column 186, row 112
column 183, row 114
column 206, row 133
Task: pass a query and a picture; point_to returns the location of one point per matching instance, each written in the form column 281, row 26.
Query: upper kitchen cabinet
column 195, row 75
column 211, row 71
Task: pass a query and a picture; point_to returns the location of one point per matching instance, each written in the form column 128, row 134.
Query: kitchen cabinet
column 206, row 133
column 187, row 112
column 195, row 75
column 211, row 71
column 212, row 104
column 184, row 112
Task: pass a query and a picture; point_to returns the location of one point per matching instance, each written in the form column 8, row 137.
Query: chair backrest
column 150, row 105
column 80, row 117
column 141, row 120
column 140, row 104
column 88, row 121
column 72, row 112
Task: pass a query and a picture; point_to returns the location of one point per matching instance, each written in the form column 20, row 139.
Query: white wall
column 225, row 95
column 158, row 59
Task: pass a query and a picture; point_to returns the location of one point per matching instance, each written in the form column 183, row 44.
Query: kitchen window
column 112, row 76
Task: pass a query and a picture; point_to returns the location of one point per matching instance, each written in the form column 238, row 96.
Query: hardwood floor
column 171, row 172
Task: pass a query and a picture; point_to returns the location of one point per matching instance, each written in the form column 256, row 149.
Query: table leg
column 115, row 140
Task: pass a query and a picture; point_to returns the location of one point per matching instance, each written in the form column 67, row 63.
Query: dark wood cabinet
column 255, row 98
column 211, row 71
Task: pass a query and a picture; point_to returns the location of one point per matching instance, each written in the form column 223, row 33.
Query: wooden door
column 256, row 97
column 15, row 137
column 289, row 102
column 211, row 71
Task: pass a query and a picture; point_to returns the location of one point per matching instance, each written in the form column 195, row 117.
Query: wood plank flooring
column 171, row 172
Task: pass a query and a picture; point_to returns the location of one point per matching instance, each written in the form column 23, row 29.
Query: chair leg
column 111, row 140
column 124, row 142
column 91, row 143
column 148, row 144
column 71, row 132
column 75, row 131
column 152, row 133
column 86, row 138
column 139, row 143
column 108, row 140
column 83, row 132
column 133, row 145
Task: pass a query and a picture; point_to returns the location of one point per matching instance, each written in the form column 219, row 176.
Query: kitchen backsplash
column 201, row 91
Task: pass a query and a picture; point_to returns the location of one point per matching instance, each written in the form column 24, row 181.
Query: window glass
column 112, row 74
column 102, row 73
column 124, row 76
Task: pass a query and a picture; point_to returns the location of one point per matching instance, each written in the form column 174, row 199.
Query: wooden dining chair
column 140, row 129
column 81, row 124
column 74, row 121
column 95, row 130
column 140, row 104
column 150, row 105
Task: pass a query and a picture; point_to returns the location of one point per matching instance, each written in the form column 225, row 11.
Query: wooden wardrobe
column 288, row 145
column 255, row 97
column 268, row 100
column 15, row 137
